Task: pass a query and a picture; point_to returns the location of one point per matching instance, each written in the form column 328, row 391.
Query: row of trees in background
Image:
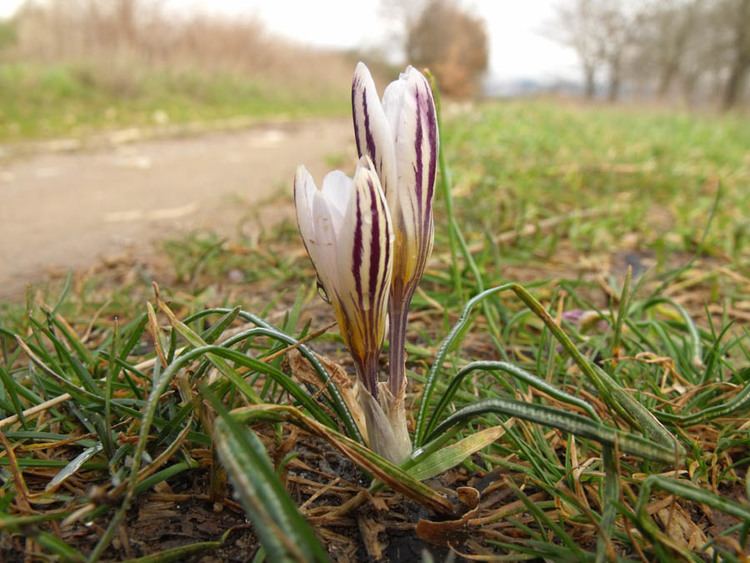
column 696, row 50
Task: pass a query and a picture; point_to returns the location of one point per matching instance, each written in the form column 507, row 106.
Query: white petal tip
column 362, row 74
column 412, row 73
column 303, row 179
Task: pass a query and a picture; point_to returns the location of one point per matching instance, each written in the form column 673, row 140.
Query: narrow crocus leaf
column 450, row 456
column 347, row 231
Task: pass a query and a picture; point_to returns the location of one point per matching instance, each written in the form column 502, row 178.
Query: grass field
column 41, row 100
column 596, row 406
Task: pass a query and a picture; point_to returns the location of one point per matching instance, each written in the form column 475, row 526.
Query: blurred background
column 123, row 119
column 598, row 152
column 74, row 63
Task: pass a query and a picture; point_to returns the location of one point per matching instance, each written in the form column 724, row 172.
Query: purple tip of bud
column 573, row 316
column 586, row 319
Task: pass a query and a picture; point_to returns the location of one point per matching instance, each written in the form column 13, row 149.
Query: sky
column 518, row 49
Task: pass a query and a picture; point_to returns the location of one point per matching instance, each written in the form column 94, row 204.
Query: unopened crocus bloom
column 400, row 135
column 346, row 227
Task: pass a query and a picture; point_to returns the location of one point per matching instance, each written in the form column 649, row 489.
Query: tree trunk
column 688, row 85
column 734, row 84
column 741, row 62
column 615, row 80
column 669, row 71
column 589, row 81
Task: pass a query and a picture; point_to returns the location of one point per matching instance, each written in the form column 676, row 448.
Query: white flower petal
column 338, row 190
column 411, row 112
column 348, row 234
column 393, row 99
column 371, row 129
column 323, row 245
column 304, row 191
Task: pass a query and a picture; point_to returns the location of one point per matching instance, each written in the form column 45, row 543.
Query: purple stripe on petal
column 418, row 166
column 357, row 125
column 432, row 136
column 387, row 239
column 368, row 132
column 422, row 217
column 426, row 111
column 357, row 251
column 375, row 248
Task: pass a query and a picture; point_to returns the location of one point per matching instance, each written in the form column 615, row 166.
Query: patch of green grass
column 52, row 100
column 619, row 399
column 653, row 176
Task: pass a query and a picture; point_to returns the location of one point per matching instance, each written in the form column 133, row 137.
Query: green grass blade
column 616, row 396
column 266, row 329
column 183, row 551
column 622, row 313
column 445, row 346
column 536, row 382
column 72, row 338
column 164, row 475
column 542, row 518
column 57, row 546
column 738, row 404
column 213, row 333
column 610, row 499
column 695, row 338
column 10, row 388
column 196, row 341
column 688, row 490
column 134, row 329
column 567, row 422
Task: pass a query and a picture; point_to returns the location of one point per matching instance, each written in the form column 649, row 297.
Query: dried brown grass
column 118, row 38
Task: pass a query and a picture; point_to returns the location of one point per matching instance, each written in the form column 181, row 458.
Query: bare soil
column 67, row 210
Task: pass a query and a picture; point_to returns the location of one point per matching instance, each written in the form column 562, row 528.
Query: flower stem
column 367, row 372
column 398, row 312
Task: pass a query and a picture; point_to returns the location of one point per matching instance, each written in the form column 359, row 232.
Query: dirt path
column 67, row 210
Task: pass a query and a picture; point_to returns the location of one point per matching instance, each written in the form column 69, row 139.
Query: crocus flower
column 400, row 135
column 347, row 231
column 346, row 228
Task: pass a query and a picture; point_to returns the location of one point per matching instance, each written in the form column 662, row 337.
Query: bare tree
column 452, row 43
column 615, row 26
column 620, row 24
column 604, row 34
column 654, row 47
column 672, row 25
column 576, row 24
